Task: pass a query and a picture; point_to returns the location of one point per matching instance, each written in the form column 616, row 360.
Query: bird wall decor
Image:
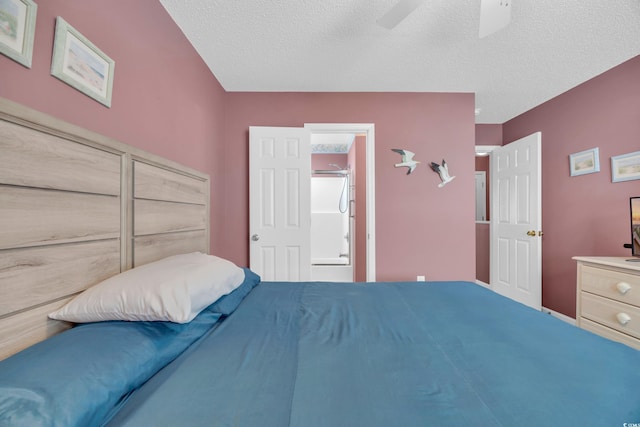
column 443, row 171
column 407, row 160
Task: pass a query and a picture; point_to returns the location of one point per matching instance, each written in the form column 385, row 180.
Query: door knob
column 623, row 318
column 531, row 233
column 255, row 237
column 623, row 287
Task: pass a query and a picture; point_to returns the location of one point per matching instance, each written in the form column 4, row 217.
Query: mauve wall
column 421, row 229
column 584, row 215
column 488, row 134
column 165, row 99
column 358, row 156
column 483, row 254
column 323, row 161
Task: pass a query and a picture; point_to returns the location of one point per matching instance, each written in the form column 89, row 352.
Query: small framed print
column 80, row 64
column 585, row 162
column 17, row 29
column 625, row 167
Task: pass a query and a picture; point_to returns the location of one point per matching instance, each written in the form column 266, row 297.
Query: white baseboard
column 481, row 283
column 545, row 310
column 560, row 316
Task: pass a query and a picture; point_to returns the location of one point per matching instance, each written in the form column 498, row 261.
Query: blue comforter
column 383, row 354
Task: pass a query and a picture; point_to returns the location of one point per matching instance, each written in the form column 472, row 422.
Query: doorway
column 367, row 130
column 508, row 243
column 483, row 213
column 279, row 199
column 333, row 199
column 516, row 220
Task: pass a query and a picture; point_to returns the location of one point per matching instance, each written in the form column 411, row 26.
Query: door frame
column 369, row 130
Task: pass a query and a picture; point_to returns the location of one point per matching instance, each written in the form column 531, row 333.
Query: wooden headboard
column 76, row 208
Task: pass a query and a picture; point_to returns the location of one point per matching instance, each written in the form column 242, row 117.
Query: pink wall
column 584, row 215
column 488, row 134
column 322, row 161
column 421, row 229
column 359, row 152
column 165, row 99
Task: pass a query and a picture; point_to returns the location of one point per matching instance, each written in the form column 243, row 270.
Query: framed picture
column 585, row 162
column 80, row 64
column 625, row 167
column 17, row 29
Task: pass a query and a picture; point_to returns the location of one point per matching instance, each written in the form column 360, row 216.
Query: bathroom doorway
column 332, row 215
column 357, row 163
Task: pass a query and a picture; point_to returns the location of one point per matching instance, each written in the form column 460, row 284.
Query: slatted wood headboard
column 76, row 208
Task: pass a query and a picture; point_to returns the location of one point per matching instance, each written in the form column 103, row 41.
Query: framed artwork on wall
column 17, row 30
column 625, row 167
column 585, row 162
column 80, row 64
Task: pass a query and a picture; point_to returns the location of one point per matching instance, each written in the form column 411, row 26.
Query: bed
column 256, row 353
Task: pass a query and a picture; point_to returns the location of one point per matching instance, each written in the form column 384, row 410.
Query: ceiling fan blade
column 494, row 16
column 397, row 13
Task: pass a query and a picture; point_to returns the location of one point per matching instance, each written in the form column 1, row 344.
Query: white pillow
column 173, row 289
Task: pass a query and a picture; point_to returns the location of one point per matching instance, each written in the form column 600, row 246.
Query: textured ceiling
column 550, row 47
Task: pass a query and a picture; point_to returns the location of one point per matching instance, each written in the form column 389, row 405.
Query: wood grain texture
column 32, row 217
column 21, row 330
column 36, row 159
column 67, row 216
column 156, row 183
column 155, row 217
column 151, row 248
column 52, row 272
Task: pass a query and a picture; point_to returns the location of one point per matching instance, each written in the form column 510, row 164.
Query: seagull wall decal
column 407, row 160
column 443, row 171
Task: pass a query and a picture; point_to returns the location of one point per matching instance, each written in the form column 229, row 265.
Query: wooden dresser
column 608, row 298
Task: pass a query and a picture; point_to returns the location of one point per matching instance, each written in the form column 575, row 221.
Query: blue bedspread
column 381, row 354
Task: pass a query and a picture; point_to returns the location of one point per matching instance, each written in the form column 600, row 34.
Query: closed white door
column 279, row 203
column 516, row 221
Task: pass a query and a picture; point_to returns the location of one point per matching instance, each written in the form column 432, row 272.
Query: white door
column 516, row 221
column 279, row 203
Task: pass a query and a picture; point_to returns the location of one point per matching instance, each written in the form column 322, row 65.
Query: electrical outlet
column 420, row 279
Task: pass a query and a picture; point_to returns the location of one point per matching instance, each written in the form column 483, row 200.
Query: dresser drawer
column 621, row 317
column 609, row 333
column 612, row 284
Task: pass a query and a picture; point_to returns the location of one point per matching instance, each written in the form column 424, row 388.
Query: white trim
column 485, row 150
column 560, row 316
column 484, row 284
column 369, row 130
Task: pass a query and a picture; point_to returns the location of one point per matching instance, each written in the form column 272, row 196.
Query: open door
column 279, row 203
column 516, row 221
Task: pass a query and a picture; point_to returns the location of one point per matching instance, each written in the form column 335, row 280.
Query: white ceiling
column 550, row 47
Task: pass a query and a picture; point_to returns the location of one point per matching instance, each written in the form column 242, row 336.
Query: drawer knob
column 623, row 318
column 623, row 287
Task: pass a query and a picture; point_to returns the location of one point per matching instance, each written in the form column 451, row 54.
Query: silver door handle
column 255, row 237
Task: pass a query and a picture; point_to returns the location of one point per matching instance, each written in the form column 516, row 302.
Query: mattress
column 390, row 354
